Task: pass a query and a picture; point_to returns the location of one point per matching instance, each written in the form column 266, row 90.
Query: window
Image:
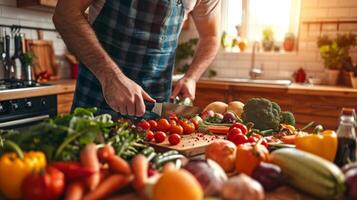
column 252, row 16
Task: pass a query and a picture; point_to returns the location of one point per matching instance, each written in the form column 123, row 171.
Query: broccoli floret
column 263, row 113
column 287, row 118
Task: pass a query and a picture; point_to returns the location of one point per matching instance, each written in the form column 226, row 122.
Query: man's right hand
column 124, row 95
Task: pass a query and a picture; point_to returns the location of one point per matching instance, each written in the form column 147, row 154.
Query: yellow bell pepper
column 15, row 166
column 322, row 144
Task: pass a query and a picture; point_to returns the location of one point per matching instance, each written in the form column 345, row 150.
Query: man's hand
column 185, row 87
column 124, row 95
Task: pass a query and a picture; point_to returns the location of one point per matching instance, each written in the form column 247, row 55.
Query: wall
column 10, row 15
column 282, row 65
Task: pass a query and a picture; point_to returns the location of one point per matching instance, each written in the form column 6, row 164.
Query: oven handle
column 23, row 121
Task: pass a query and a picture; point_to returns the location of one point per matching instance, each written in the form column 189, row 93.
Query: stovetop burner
column 16, row 84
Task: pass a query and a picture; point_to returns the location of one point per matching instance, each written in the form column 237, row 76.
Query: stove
column 16, row 84
column 22, row 112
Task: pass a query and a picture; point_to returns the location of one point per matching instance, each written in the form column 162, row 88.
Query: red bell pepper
column 73, row 170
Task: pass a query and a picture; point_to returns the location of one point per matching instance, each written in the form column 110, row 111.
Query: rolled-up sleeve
column 206, row 8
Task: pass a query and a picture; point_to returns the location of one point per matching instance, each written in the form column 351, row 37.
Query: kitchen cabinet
column 36, row 3
column 64, row 102
column 206, row 93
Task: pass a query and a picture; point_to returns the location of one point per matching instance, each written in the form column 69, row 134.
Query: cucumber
column 310, row 173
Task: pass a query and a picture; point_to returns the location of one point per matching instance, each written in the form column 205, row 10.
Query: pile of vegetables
column 265, row 114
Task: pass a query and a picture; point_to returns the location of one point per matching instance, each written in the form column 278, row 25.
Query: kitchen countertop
column 68, row 86
column 293, row 88
column 53, row 87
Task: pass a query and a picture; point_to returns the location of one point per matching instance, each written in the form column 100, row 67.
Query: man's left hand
column 185, row 87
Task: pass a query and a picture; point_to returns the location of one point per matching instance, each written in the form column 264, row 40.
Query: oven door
column 24, row 122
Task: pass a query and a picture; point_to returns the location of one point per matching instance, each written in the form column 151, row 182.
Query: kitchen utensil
column 166, row 109
column 44, row 53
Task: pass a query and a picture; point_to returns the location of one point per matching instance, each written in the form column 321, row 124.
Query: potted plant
column 289, row 42
column 268, row 39
column 347, row 41
column 184, row 51
column 332, row 55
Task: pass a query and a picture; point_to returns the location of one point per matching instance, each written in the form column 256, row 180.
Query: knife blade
column 166, row 109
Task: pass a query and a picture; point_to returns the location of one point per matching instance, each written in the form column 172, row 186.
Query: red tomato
column 144, row 125
column 163, row 125
column 195, row 122
column 153, row 124
column 176, row 129
column 173, row 122
column 188, row 127
column 174, row 117
column 174, row 139
column 160, row 136
column 252, row 139
column 46, row 186
column 149, row 135
column 240, row 126
column 236, row 136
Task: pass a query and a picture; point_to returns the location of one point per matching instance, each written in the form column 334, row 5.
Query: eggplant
column 350, row 171
column 269, row 175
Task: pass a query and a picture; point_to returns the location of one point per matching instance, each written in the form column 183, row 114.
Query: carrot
column 103, row 153
column 108, row 186
column 75, row 191
column 140, row 170
column 89, row 159
column 168, row 167
column 118, row 165
column 288, row 139
column 222, row 130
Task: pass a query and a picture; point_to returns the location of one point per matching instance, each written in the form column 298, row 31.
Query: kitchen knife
column 166, row 109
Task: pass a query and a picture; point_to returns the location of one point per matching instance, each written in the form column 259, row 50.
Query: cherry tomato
column 240, row 126
column 173, row 122
column 256, row 136
column 176, row 129
column 144, row 125
column 188, row 127
column 159, row 136
column 153, row 125
column 174, row 117
column 163, row 125
column 149, row 135
column 252, row 139
column 195, row 122
column 174, row 139
column 236, row 136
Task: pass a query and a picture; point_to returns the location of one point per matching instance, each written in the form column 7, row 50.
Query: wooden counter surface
column 54, row 87
column 290, row 89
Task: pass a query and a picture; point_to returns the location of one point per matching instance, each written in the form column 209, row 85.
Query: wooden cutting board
column 45, row 58
column 190, row 145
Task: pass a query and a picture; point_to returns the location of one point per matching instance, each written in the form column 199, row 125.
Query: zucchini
column 310, row 173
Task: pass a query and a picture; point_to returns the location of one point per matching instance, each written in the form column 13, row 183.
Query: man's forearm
column 206, row 51
column 81, row 39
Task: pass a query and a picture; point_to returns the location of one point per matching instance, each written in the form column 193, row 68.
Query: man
column 127, row 48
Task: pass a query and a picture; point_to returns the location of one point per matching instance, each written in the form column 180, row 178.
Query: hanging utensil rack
column 17, row 28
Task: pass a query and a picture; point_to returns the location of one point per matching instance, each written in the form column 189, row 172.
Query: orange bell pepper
column 323, row 144
column 248, row 156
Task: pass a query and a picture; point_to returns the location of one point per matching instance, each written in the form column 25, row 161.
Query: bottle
column 346, row 134
column 17, row 57
column 9, row 67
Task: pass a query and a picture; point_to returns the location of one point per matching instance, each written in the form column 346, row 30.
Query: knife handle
column 149, row 105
